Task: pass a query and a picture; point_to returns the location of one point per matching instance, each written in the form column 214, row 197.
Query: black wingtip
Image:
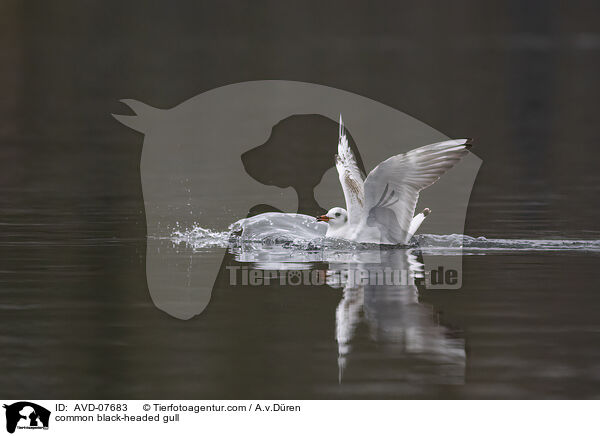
column 468, row 143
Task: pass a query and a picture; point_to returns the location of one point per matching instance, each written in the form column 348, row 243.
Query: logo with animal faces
column 25, row 415
column 266, row 146
column 382, row 212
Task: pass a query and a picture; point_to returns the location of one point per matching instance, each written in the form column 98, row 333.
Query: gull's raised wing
column 394, row 185
column 350, row 178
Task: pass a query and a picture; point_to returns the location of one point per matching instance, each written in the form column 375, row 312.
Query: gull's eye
column 337, row 214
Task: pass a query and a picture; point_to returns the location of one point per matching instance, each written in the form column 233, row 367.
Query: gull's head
column 335, row 217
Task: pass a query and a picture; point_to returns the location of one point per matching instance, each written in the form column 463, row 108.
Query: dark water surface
column 76, row 318
column 78, row 322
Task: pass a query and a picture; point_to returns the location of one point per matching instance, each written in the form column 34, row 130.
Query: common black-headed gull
column 380, row 209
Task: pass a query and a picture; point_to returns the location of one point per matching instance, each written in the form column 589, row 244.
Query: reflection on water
column 392, row 319
column 384, row 330
column 387, row 336
column 380, row 326
column 379, row 316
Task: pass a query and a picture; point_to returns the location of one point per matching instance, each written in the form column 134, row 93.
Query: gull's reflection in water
column 381, row 326
column 380, row 309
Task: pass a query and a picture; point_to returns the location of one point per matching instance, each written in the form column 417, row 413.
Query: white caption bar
column 155, row 417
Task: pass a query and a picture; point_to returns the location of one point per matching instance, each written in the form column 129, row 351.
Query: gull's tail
column 417, row 221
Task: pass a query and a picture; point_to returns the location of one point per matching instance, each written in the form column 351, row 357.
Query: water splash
column 297, row 233
column 199, row 238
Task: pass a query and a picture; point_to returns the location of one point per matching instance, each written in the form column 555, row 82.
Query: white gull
column 380, row 209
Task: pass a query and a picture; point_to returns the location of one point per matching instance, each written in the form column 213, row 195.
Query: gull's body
column 380, row 209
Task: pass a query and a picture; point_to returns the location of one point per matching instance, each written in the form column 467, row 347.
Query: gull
column 380, row 209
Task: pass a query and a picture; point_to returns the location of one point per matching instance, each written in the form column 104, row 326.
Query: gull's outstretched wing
column 350, row 178
column 392, row 188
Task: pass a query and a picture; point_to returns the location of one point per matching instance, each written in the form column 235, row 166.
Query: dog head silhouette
column 299, row 151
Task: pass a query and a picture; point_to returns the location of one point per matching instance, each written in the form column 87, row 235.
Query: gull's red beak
column 323, row 218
